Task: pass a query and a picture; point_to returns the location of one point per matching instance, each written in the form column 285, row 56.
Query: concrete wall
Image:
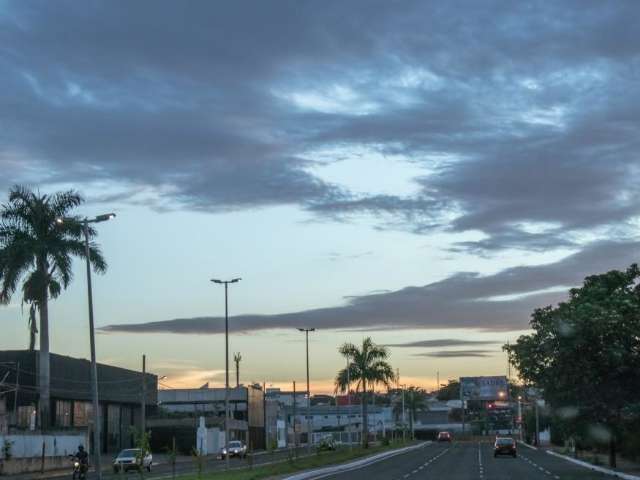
column 56, row 445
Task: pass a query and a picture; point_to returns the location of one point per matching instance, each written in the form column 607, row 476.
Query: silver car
column 236, row 449
column 132, row 459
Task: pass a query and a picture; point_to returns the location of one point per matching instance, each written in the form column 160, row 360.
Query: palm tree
column 36, row 249
column 237, row 358
column 368, row 367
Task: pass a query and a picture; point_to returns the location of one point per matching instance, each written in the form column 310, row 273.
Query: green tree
column 36, row 249
column 584, row 355
column 450, row 391
column 367, row 367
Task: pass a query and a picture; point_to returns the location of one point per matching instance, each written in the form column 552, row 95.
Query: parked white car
column 131, row 459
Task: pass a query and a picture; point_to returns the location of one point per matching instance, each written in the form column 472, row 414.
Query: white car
column 131, row 459
column 236, row 449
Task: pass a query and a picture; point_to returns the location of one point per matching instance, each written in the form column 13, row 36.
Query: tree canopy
column 584, row 354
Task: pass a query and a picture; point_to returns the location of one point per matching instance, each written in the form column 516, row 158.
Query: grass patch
column 288, row 467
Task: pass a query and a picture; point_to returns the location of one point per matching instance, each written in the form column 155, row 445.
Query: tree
column 584, row 355
column 367, row 367
column 36, row 249
column 450, row 391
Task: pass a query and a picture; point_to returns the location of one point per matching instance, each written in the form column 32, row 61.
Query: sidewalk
column 600, row 460
column 107, row 466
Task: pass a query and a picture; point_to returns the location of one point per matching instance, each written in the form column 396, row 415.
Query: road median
column 345, row 467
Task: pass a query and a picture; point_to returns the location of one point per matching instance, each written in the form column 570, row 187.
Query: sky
column 424, row 173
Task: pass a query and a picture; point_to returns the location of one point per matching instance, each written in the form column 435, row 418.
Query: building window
column 63, row 413
column 24, row 415
column 82, row 414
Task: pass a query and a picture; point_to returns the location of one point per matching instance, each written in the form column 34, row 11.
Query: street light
column 520, row 415
column 306, row 332
column 92, row 341
column 226, row 362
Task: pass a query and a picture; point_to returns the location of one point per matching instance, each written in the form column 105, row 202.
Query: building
column 246, row 405
column 119, row 393
column 4, row 418
column 286, row 398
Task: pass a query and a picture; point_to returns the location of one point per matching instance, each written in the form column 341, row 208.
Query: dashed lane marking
column 425, row 464
column 535, row 465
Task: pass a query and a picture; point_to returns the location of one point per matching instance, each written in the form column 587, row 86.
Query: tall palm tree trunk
column 365, row 416
column 44, row 378
column 33, row 330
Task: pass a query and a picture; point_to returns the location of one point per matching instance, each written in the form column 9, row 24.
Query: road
column 469, row 461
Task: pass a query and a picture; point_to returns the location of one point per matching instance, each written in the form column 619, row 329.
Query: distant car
column 444, row 437
column 236, row 449
column 132, row 459
column 504, row 446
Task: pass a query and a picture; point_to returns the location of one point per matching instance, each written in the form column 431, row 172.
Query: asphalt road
column 469, row 461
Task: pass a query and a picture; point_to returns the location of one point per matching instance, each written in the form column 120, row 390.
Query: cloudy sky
column 426, row 173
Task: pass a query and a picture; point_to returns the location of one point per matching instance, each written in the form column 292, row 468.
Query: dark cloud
column 442, row 342
column 464, row 300
column 523, row 116
column 456, row 354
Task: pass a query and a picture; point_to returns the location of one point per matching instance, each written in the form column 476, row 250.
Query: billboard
column 484, row 388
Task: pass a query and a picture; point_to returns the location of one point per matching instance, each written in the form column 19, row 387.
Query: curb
column 594, row 467
column 326, row 471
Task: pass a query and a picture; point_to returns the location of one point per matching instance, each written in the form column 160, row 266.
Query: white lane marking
column 425, row 464
column 535, row 465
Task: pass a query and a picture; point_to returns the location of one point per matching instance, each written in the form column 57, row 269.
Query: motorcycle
column 79, row 469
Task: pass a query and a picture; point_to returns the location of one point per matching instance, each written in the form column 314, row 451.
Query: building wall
column 119, row 390
column 56, row 444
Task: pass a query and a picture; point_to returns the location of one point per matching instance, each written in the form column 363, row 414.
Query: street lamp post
column 226, row 363
column 306, row 332
column 404, row 423
column 92, row 340
column 520, row 415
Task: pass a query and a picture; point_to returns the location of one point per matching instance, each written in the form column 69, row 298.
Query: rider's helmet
column 80, row 448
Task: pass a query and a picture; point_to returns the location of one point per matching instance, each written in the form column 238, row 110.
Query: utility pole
column 309, row 435
column 537, row 423
column 404, row 426
column 144, row 395
column 295, row 430
column 226, row 363
column 437, row 382
column 92, row 336
column 15, row 394
column 462, row 401
column 520, row 415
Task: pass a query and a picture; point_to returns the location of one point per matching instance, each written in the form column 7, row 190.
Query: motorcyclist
column 83, row 459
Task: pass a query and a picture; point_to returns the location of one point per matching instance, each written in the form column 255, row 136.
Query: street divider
column 345, row 467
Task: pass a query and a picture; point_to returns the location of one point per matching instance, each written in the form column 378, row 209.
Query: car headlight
column 77, row 464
